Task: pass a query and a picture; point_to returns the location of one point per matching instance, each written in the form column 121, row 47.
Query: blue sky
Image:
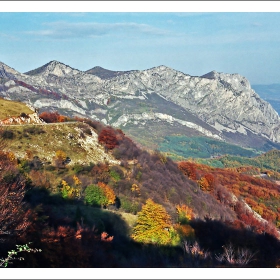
column 189, row 40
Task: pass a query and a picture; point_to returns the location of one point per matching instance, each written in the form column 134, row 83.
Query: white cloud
column 7, row 36
column 66, row 30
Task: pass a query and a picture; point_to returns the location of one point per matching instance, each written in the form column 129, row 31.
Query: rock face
column 218, row 105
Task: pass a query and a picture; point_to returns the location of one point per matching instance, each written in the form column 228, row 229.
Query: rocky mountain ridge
column 219, row 105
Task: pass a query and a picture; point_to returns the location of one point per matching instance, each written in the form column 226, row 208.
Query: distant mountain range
column 151, row 104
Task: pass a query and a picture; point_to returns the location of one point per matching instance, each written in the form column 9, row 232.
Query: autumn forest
column 142, row 210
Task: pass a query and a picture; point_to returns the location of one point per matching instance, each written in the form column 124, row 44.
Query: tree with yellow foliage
column 68, row 191
column 59, row 159
column 135, row 190
column 153, row 224
column 108, row 192
column 78, row 185
column 185, row 213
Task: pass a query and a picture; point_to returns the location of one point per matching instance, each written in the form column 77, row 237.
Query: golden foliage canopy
column 153, row 224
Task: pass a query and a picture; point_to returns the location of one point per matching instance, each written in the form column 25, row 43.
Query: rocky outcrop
column 224, row 101
column 25, row 119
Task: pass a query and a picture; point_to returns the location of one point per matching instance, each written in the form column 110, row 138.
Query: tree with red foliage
column 108, row 138
column 52, row 117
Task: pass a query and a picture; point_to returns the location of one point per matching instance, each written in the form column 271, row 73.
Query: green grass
column 12, row 109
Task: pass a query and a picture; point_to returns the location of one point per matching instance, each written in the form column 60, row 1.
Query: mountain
column 151, row 104
column 104, row 73
column 54, row 67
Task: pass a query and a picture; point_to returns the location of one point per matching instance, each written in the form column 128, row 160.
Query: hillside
column 10, row 108
column 77, row 140
column 85, row 212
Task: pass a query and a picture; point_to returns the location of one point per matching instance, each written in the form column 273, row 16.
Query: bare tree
column 241, row 256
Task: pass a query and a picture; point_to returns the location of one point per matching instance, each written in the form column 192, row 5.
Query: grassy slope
column 45, row 140
column 12, row 108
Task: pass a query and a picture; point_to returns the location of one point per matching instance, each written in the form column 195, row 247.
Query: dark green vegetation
column 151, row 133
column 200, row 147
column 269, row 160
column 84, row 215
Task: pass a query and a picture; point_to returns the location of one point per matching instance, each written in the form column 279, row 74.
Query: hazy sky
column 192, row 42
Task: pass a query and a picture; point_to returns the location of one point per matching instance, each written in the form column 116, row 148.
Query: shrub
column 33, row 130
column 95, row 196
column 8, row 134
column 114, row 175
column 128, row 206
column 24, row 115
column 77, row 168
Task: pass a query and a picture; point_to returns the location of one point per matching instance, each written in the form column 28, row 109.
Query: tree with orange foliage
column 52, row 117
column 188, row 168
column 105, row 237
column 61, row 118
column 210, row 179
column 49, row 117
column 206, row 183
column 153, row 224
column 185, row 213
column 108, row 192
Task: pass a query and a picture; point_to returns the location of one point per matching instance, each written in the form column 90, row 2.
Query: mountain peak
column 7, row 71
column 103, row 73
column 211, row 75
column 161, row 68
column 53, row 67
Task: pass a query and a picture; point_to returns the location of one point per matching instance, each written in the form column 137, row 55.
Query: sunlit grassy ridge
column 12, row 109
column 77, row 141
